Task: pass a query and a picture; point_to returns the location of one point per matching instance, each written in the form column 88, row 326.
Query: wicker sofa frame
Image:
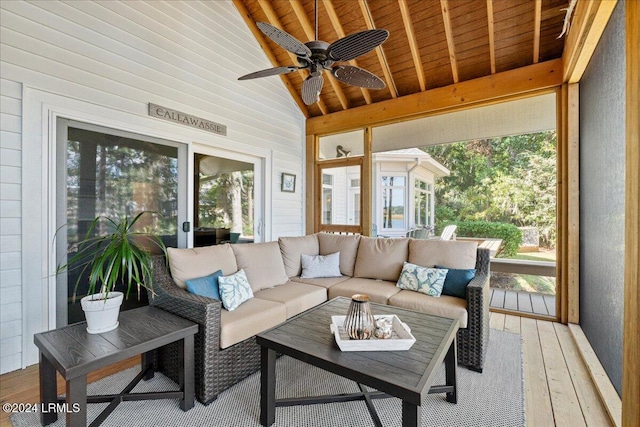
column 217, row 369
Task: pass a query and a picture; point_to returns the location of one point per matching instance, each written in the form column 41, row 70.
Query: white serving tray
column 401, row 338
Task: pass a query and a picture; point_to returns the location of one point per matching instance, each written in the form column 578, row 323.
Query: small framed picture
column 288, row 183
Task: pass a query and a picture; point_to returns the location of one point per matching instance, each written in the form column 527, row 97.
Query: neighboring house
column 403, row 188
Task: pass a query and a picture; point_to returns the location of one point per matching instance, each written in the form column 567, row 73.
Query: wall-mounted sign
column 186, row 119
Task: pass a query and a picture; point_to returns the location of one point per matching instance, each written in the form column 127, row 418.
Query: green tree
column 510, row 179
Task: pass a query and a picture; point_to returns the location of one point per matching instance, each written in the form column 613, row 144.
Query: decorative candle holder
column 359, row 322
column 384, row 328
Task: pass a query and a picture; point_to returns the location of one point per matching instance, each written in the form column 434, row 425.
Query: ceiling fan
column 317, row 56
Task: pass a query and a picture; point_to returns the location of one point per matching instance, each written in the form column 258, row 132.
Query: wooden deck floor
column 558, row 389
column 526, row 302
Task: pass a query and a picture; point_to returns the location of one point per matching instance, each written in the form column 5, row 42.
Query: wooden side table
column 74, row 353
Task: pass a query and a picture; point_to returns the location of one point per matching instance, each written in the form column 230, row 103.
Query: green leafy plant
column 510, row 234
column 122, row 255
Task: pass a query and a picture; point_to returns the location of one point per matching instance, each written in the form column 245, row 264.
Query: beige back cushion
column 262, row 263
column 192, row 263
column 380, row 258
column 347, row 246
column 445, row 253
column 291, row 248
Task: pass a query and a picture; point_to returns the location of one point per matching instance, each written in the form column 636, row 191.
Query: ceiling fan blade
column 357, row 76
column 269, row 72
column 311, row 89
column 284, row 39
column 354, row 45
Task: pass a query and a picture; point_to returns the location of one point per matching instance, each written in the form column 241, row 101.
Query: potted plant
column 123, row 255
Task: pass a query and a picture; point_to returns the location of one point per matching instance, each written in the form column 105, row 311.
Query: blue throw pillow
column 455, row 284
column 206, row 286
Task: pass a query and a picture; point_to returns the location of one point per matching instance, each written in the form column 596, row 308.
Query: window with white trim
column 393, row 202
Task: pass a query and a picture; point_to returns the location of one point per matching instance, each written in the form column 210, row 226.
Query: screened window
column 393, row 202
column 327, row 198
column 423, row 203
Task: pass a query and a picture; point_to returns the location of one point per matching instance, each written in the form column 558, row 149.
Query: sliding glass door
column 103, row 172
column 228, row 197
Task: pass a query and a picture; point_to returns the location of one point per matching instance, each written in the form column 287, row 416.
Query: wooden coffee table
column 406, row 375
column 74, row 353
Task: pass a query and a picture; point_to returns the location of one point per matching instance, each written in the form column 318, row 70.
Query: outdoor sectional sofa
column 225, row 347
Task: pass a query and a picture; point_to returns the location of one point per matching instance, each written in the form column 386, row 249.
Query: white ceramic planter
column 101, row 313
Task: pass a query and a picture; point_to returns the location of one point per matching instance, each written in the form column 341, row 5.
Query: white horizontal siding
column 10, row 157
column 9, row 226
column 149, row 62
column 9, row 192
column 10, row 294
column 10, row 220
column 7, row 344
column 10, row 244
column 11, row 311
column 12, row 362
column 121, row 55
column 10, row 140
column 10, row 277
column 10, row 329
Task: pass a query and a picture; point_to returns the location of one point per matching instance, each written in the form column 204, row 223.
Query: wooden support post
column 310, row 165
column 366, row 185
column 572, row 226
column 631, row 339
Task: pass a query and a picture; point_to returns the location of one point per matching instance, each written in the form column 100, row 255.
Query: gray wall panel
column 602, row 160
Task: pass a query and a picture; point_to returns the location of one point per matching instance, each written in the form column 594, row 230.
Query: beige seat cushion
column 378, row 290
column 262, row 263
column 325, row 282
column 291, row 248
column 250, row 318
column 380, row 258
column 444, row 306
column 347, row 246
column 446, row 253
column 192, row 263
column 297, row 297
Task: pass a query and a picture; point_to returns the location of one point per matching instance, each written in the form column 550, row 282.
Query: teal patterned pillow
column 234, row 290
column 422, row 279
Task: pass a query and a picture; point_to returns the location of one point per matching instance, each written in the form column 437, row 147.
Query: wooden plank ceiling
column 432, row 43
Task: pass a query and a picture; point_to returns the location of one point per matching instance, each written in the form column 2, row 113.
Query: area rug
column 493, row 398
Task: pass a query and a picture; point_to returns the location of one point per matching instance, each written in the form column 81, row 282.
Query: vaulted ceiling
column 432, row 43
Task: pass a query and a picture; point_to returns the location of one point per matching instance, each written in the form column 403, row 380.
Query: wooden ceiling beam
column 498, row 87
column 446, row 17
column 246, row 16
column 536, row 31
column 337, row 27
column 413, row 42
column 384, row 64
column 310, row 32
column 587, row 25
column 273, row 19
column 492, row 43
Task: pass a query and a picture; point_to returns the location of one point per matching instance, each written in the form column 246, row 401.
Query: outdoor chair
column 448, row 232
column 419, row 233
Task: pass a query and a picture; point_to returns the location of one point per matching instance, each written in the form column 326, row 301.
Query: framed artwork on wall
column 288, row 183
